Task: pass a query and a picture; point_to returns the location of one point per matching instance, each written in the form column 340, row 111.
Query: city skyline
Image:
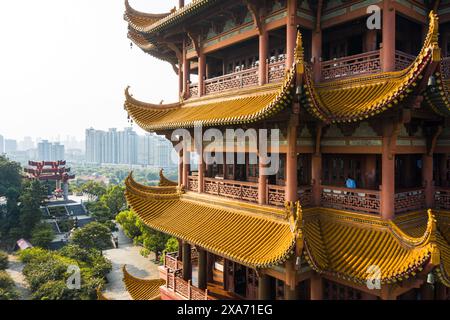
column 42, row 84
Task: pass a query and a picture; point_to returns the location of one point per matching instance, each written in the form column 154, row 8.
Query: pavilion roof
column 142, row 289
column 346, row 245
column 235, row 107
column 334, row 242
column 358, row 98
column 153, row 23
column 250, row 239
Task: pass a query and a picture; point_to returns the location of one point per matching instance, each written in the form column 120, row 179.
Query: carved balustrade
column 276, row 70
column 442, row 198
column 409, row 200
column 193, row 90
column 192, row 183
column 363, row 63
column 403, row 60
column 359, row 200
column 239, row 190
column 184, row 288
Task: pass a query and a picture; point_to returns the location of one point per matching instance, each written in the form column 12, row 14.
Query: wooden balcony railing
column 192, row 183
column 248, row 191
column 442, row 198
column 184, row 288
column 409, row 200
column 445, row 65
column 359, row 200
column 363, row 63
column 403, row 60
column 275, row 71
column 240, row 190
column 193, row 90
column 171, row 261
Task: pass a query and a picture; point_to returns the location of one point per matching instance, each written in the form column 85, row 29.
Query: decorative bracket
column 255, row 10
column 195, row 38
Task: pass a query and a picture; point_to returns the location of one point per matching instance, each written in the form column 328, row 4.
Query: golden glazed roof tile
column 243, row 106
column 347, row 245
column 249, row 239
column 164, row 182
column 142, row 289
column 150, row 23
column 362, row 97
column 141, row 21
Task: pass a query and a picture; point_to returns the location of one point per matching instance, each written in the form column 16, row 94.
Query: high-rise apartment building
column 10, row 146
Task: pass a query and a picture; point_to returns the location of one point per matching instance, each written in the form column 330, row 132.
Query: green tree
column 10, row 185
column 128, row 221
column 95, row 188
column 171, row 246
column 30, row 202
column 114, row 199
column 3, row 260
column 47, row 272
column 93, row 235
column 7, row 287
column 99, row 211
column 42, row 235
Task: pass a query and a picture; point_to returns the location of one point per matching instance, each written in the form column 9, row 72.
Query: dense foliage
column 3, row 260
column 24, row 199
column 47, row 272
column 42, row 235
column 7, row 287
column 117, row 174
column 92, row 236
column 149, row 239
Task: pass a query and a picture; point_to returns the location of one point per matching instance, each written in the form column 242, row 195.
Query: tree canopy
column 92, row 236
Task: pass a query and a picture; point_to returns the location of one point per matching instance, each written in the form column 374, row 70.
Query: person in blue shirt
column 350, row 183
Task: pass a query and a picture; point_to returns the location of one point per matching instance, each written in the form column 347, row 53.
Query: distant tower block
column 51, row 170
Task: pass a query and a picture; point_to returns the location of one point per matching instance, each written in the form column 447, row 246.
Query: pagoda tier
column 218, row 229
column 359, row 98
column 334, row 242
column 345, row 100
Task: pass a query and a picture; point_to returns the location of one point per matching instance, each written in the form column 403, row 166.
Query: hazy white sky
column 64, row 65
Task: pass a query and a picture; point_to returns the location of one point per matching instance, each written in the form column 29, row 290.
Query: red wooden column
column 291, row 160
column 202, row 269
column 187, row 263
column 181, row 3
column 180, row 168
column 316, row 177
column 316, row 287
column 263, row 53
column 264, row 287
column 201, row 73
column 291, row 32
column 262, row 184
column 427, row 177
column 201, row 173
column 370, row 171
column 186, row 167
column 387, row 181
column 316, row 51
column 186, row 72
column 388, row 49
column 180, row 78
